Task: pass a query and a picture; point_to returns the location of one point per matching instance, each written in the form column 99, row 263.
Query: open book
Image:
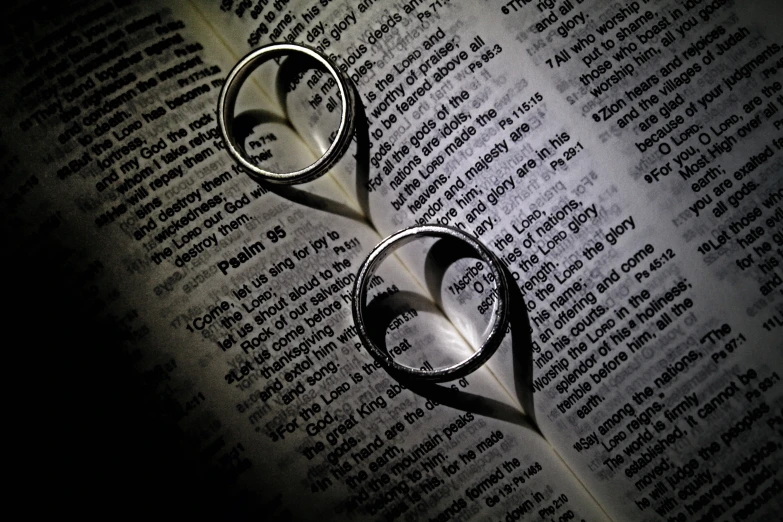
column 622, row 159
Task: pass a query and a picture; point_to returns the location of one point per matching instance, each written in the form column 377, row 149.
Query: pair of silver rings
column 500, row 314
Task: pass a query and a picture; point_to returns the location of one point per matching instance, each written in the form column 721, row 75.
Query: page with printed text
column 623, row 161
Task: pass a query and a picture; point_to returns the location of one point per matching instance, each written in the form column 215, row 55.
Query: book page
column 229, row 299
column 623, row 161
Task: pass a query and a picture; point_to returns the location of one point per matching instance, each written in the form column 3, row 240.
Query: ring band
column 228, row 98
column 499, row 288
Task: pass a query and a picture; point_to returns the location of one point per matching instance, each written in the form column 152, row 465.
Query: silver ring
column 228, row 98
column 499, row 288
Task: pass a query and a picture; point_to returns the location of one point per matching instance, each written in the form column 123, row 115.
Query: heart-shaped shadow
column 447, row 251
column 381, row 312
column 290, row 72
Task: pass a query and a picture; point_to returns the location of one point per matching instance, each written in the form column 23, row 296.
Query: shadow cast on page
column 380, row 313
column 447, row 251
column 288, row 73
column 243, row 126
column 362, row 157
